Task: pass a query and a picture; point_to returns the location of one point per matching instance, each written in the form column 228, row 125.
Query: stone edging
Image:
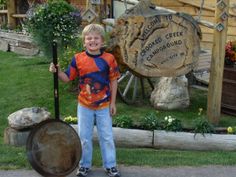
column 17, row 43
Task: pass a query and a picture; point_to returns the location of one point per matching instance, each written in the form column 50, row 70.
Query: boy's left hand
column 112, row 109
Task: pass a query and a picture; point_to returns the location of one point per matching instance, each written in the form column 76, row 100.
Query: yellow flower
column 200, row 111
column 230, row 130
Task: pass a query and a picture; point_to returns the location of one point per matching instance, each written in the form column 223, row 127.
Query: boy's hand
column 112, row 109
column 52, row 68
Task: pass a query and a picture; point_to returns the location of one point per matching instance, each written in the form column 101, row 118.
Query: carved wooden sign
column 154, row 42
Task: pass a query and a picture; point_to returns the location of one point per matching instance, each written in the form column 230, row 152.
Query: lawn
column 26, row 82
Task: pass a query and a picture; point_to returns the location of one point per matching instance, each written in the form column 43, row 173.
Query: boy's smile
column 93, row 43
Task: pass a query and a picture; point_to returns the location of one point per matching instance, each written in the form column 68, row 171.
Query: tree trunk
column 156, row 42
column 187, row 141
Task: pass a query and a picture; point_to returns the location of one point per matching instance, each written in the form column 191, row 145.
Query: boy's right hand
column 52, row 68
column 61, row 75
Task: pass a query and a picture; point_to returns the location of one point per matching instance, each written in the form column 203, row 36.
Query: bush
column 55, row 20
column 172, row 124
column 151, row 122
column 70, row 51
column 123, row 121
column 3, row 2
column 202, row 125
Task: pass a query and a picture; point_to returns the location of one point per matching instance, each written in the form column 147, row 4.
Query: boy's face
column 93, row 42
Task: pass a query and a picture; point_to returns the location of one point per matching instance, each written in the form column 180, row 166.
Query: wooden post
column 217, row 64
column 11, row 7
column 87, row 4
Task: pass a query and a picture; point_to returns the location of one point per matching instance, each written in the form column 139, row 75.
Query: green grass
column 26, row 82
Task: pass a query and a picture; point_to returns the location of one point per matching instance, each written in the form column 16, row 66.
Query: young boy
column 98, row 73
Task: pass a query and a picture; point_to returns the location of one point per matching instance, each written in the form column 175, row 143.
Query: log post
column 11, row 7
column 217, row 64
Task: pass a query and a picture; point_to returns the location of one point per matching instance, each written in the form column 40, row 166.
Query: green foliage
column 55, row 20
column 70, row 51
column 123, row 121
column 3, row 2
column 172, row 124
column 202, row 125
column 151, row 122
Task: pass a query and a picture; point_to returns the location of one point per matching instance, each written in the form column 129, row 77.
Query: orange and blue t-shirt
column 95, row 73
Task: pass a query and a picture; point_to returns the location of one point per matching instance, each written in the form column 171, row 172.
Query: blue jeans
column 86, row 118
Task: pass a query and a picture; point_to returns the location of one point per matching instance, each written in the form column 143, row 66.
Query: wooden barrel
column 156, row 42
column 228, row 101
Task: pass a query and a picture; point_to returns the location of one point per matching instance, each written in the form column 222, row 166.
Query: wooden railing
column 19, row 15
column 3, row 11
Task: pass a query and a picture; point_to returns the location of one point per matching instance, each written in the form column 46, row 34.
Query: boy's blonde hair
column 93, row 28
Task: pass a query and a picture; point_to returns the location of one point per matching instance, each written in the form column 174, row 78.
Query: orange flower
column 230, row 53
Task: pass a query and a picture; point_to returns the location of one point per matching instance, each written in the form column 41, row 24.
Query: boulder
column 4, row 45
column 27, row 117
column 171, row 93
column 16, row 137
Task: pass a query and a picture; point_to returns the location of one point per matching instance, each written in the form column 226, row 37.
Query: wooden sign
column 156, row 42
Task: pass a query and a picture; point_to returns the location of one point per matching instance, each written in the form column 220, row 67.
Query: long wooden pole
column 11, row 7
column 217, row 66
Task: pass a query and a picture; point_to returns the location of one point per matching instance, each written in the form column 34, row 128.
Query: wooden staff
column 217, row 65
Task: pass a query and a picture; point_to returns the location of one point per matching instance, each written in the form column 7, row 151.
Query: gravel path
column 133, row 171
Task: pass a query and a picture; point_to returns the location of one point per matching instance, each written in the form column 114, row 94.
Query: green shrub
column 171, row 124
column 202, row 125
column 123, row 121
column 3, row 2
column 55, row 20
column 70, row 51
column 151, row 122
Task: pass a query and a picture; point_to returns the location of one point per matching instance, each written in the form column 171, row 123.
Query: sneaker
column 113, row 172
column 82, row 171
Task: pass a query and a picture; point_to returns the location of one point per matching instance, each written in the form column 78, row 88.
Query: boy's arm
column 63, row 77
column 114, row 84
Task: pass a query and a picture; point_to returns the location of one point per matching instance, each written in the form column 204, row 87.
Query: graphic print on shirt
column 97, row 83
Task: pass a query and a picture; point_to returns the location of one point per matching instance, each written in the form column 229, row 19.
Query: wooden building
column 207, row 13
column 203, row 9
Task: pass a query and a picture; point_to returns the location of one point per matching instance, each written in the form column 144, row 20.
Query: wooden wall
column 208, row 14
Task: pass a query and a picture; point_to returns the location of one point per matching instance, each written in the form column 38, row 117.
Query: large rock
column 4, row 46
column 16, row 137
column 27, row 117
column 171, row 93
column 17, row 43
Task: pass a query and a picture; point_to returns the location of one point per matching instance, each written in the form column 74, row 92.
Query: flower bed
column 230, row 53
